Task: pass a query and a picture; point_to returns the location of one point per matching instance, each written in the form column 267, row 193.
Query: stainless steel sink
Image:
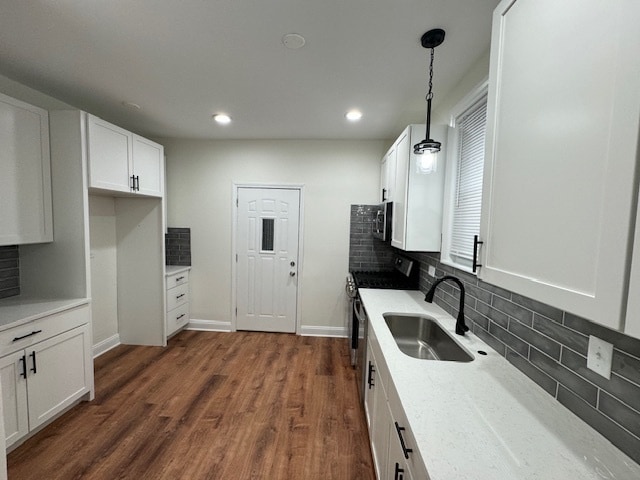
column 422, row 337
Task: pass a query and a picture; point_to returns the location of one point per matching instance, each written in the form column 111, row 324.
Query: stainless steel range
column 404, row 276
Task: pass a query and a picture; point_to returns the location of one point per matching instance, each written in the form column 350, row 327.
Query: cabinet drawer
column 176, row 279
column 17, row 338
column 177, row 318
column 177, row 296
column 415, row 461
column 383, row 375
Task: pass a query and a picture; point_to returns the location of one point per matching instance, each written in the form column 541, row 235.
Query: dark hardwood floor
column 211, row 406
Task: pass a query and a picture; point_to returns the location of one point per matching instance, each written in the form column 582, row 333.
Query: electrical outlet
column 600, row 356
column 432, row 271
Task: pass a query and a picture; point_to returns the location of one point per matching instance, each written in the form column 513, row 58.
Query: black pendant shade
column 430, row 39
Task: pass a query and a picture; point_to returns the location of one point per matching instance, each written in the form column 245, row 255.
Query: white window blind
column 467, row 195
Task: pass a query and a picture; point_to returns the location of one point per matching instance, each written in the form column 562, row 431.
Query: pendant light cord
column 430, row 93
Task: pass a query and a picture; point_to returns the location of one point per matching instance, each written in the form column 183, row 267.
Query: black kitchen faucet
column 461, row 327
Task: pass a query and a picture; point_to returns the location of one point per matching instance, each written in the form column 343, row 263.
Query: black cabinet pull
column 476, row 242
column 370, row 376
column 384, row 194
column 23, row 359
column 179, row 278
column 133, row 183
column 33, row 357
column 180, row 296
column 180, row 316
column 399, row 475
column 137, row 183
column 405, row 450
column 27, row 335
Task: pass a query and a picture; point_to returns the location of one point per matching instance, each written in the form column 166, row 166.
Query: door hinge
column 236, row 258
column 236, row 311
column 236, row 202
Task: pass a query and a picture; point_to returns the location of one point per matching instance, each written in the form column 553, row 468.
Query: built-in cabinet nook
column 91, row 256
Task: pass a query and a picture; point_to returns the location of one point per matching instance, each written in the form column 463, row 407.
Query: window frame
column 451, row 173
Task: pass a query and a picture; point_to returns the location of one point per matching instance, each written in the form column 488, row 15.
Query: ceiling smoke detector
column 293, row 41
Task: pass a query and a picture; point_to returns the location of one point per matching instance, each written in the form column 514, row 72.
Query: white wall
column 103, row 248
column 336, row 174
column 476, row 74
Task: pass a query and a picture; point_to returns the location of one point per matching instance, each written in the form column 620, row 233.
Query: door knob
column 292, row 274
column 293, row 264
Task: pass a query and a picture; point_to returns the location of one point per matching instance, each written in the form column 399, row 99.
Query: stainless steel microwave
column 382, row 222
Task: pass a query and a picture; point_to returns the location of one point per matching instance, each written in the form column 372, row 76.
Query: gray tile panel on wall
column 178, row 246
column 9, row 271
column 365, row 251
column 550, row 347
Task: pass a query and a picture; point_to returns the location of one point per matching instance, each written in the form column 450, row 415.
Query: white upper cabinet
column 561, row 152
column 417, row 196
column 632, row 323
column 148, row 166
column 388, row 175
column 120, row 161
column 25, row 174
column 110, row 151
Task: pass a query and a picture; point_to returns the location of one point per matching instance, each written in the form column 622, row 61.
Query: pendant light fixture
column 427, row 150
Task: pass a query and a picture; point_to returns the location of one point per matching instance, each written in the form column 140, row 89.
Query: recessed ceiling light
column 222, row 118
column 353, row 115
column 132, row 105
column 293, row 40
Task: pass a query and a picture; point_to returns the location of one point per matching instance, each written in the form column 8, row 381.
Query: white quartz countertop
column 171, row 269
column 18, row 310
column 486, row 420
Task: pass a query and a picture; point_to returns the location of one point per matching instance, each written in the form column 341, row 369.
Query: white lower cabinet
column 392, row 442
column 47, row 375
column 177, row 300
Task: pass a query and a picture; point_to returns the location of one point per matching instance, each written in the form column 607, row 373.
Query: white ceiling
column 182, row 61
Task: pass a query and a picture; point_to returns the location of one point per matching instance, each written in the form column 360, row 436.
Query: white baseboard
column 310, row 331
column 106, row 345
column 209, row 325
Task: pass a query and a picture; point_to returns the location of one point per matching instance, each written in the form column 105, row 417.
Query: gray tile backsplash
column 550, row 347
column 177, row 242
column 366, row 252
column 9, row 271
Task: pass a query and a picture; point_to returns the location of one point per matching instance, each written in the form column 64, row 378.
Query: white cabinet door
column 561, row 151
column 25, row 174
column 418, row 196
column 632, row 322
column 369, row 396
column 380, row 433
column 388, row 175
column 109, row 156
column 148, row 166
column 14, row 396
column 57, row 374
column 398, row 229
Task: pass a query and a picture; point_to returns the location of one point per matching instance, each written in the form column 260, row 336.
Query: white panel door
column 267, row 249
column 561, row 149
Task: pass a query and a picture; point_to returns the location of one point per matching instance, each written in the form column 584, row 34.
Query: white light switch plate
column 600, row 356
column 432, row 271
